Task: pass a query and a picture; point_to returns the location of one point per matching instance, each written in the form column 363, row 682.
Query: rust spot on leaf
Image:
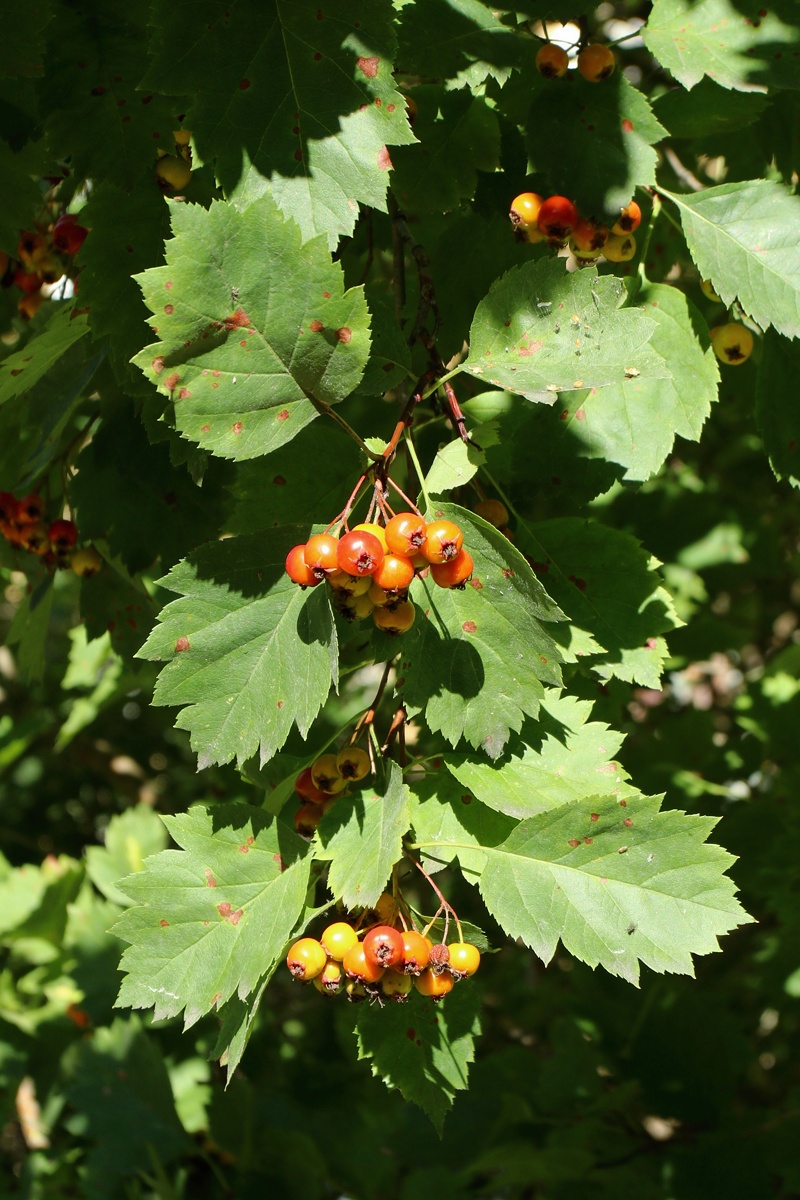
column 316, row 326
column 469, row 627
column 574, row 842
column 384, row 160
column 237, row 427
column 344, row 334
column 283, row 415
column 172, row 381
column 368, row 67
column 181, row 644
column 163, row 923
column 210, row 880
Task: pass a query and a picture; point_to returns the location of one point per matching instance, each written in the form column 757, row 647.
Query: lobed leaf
column 619, row 883
column 254, row 326
column 607, row 583
column 24, row 368
column 362, row 839
column 288, row 96
column 776, row 409
column 742, row 236
column 478, row 659
column 740, row 44
column 594, row 144
column 560, row 757
column 542, row 330
column 422, row 1048
column 211, row 918
column 248, row 651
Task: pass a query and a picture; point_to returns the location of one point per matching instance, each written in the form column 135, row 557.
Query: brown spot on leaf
column 163, row 923
column 237, row 427
column 316, row 326
column 283, row 415
column 627, row 126
column 574, row 842
column 628, row 822
column 344, row 335
column 384, row 160
column 210, row 880
column 368, row 66
column 181, row 644
column 469, row 627
column 169, row 309
column 184, row 394
column 244, row 84
column 594, row 816
column 172, row 381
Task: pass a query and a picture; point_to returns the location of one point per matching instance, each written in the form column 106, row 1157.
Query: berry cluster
column 371, row 566
column 596, row 62
column 174, row 171
column 385, row 964
column 41, row 255
column 319, row 785
column 22, row 524
column 557, row 221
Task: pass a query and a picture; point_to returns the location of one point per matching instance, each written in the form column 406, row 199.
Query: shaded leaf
column 449, row 822
column 285, row 99
column 542, row 330
column 252, row 324
column 211, row 918
column 742, row 238
column 776, row 409
column 607, row 584
column 593, row 144
column 562, row 756
column 458, row 39
column 362, row 839
column 740, row 44
column 249, row 652
column 24, row 368
column 477, row 660
column 707, row 109
column 421, row 1048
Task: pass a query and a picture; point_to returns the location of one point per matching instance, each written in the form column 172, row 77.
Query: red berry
column 27, row 281
column 326, row 775
column 588, row 240
column 558, row 216
column 337, row 939
column 596, row 62
column 395, row 618
column 298, row 571
column 395, row 573
column 416, row 953
column 552, row 61
column 443, row 541
column 629, row 219
column 523, row 215
column 359, row 553
column 307, row 818
column 307, row 790
column 464, row 959
column 383, row 946
column 30, row 509
column 68, row 235
column 306, row 959
column 453, row 573
column 357, row 966
column 353, row 763
column 319, row 554
column 405, row 533
column 63, row 534
column 432, row 985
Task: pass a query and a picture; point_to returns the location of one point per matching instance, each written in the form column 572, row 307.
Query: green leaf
column 731, row 41
column 562, row 756
column 29, row 629
column 742, row 238
column 446, row 815
column 95, row 668
column 458, row 39
column 477, row 660
column 707, row 110
column 606, row 583
column 252, row 325
column 21, row 195
column 127, row 235
column 776, row 412
column 212, row 917
column 129, row 839
column 251, row 652
column 282, row 98
column 362, row 839
column 422, row 1048
column 128, row 493
column 34, row 900
column 542, row 330
column 594, row 144
column 115, row 603
column 122, row 1095
column 282, row 488
column 634, row 422
column 22, row 369
column 458, row 461
column 617, row 885
column 96, row 116
column 458, row 136
column 23, row 40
